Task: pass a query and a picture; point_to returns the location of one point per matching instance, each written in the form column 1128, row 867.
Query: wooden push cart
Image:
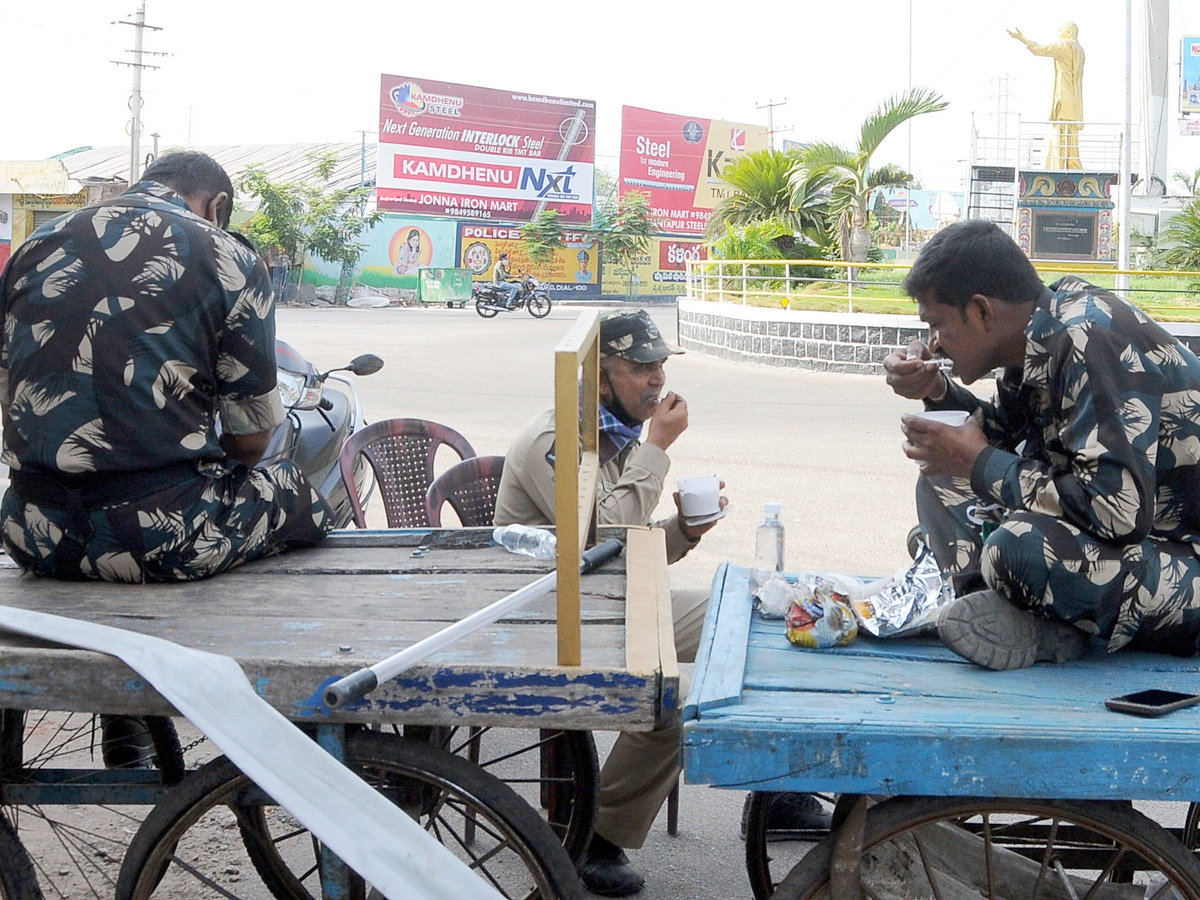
column 955, row 781
column 595, row 656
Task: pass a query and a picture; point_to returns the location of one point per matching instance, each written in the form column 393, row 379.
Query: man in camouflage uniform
column 1070, row 506
column 129, row 327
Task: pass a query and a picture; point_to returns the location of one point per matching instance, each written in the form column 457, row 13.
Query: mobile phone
column 1151, row 703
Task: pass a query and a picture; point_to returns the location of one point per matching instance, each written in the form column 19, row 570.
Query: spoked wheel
column 217, row 835
column 767, row 861
column 18, row 881
column 538, row 305
column 77, row 849
column 554, row 771
column 999, row 849
column 484, row 308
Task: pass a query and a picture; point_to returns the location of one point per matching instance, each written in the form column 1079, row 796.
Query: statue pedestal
column 1066, row 215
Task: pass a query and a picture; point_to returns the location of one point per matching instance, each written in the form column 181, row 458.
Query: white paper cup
column 699, row 496
column 954, row 417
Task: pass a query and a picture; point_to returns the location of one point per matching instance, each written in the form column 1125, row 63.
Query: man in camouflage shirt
column 129, row 327
column 1073, row 500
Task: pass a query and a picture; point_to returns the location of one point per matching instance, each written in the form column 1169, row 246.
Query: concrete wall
column 823, row 342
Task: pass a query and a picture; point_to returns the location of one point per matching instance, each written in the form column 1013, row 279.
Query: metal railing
column 870, row 286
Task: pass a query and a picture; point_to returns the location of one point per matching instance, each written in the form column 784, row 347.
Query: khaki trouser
column 643, row 766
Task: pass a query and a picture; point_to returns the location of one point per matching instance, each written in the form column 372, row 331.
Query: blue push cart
column 952, row 781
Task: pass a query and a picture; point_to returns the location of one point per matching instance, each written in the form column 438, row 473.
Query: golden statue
column 1066, row 110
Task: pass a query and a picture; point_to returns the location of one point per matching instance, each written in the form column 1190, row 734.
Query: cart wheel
column 17, row 878
column 964, row 846
column 189, row 840
column 768, row 861
column 554, row 771
column 79, row 846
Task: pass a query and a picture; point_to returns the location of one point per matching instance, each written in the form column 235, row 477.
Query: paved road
column 826, row 446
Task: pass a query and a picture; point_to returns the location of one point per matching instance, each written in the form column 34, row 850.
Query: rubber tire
column 161, row 730
column 899, row 814
column 220, row 779
column 538, row 305
column 485, row 309
column 579, row 763
column 18, row 880
column 758, row 853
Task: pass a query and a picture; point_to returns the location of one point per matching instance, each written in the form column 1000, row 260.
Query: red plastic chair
column 470, row 487
column 401, row 452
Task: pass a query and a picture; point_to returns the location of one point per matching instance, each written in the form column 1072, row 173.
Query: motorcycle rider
column 500, row 278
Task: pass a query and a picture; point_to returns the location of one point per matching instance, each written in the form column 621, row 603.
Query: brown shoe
column 989, row 631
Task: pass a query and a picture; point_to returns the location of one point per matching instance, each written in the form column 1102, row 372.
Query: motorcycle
column 318, row 423
column 533, row 296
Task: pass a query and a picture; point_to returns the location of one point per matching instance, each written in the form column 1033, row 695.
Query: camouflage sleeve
column 249, row 401
column 1100, row 473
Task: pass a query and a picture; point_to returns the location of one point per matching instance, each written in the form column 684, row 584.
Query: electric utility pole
column 135, row 100
column 769, row 106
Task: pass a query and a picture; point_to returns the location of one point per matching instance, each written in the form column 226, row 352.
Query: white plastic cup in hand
column 699, row 496
column 953, row 417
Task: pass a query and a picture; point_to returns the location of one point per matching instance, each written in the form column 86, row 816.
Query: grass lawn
column 1168, row 298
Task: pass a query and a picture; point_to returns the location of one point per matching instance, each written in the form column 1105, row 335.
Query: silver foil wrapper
column 906, row 603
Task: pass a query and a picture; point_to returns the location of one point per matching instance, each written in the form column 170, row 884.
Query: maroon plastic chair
column 401, row 453
column 470, row 487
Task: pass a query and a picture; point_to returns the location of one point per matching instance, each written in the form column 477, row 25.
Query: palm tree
column 850, row 169
column 1191, row 182
column 1183, row 235
column 769, row 187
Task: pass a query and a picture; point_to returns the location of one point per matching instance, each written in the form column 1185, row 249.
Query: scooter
column 318, row 423
column 533, row 296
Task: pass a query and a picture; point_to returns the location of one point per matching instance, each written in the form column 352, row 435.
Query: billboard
column 397, row 248
column 1189, row 73
column 662, row 270
column 678, row 161
column 477, row 153
column 572, row 272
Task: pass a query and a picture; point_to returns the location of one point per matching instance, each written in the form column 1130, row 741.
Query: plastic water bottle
column 536, row 542
column 768, row 545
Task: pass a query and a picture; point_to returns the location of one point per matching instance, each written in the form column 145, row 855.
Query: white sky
column 258, row 72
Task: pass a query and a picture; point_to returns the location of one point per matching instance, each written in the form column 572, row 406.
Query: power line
column 769, row 106
column 135, row 100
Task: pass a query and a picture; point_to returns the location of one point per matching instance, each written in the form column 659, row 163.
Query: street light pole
column 1122, row 281
column 908, row 125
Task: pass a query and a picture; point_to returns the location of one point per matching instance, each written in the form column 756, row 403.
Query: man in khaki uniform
column 642, row 767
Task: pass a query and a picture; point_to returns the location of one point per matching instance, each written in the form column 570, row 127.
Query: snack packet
column 821, row 620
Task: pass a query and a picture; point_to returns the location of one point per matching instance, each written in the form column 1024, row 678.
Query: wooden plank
column 585, row 697
column 724, row 659
column 589, row 486
column 444, row 598
column 641, row 601
column 566, row 500
column 668, row 660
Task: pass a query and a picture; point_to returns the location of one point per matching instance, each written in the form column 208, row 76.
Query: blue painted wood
column 723, row 662
column 907, row 716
